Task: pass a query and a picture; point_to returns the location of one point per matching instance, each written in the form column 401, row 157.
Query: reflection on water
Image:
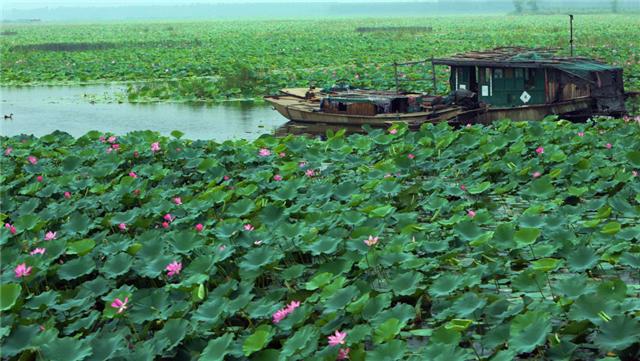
column 42, row 110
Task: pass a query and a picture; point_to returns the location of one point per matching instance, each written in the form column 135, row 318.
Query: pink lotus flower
column 177, row 200
column 536, row 174
column 39, row 179
column 626, row 119
column 264, row 152
column 371, row 241
column 155, row 147
column 102, row 139
column 168, row 217
column 109, row 150
column 310, row 173
column 136, row 154
column 634, row 173
column 282, row 154
column 463, row 187
column 122, row 226
column 393, row 131
column 10, row 227
column 222, row 248
column 115, row 146
column 539, row 150
column 608, row 145
column 411, row 156
column 133, row 175
column 165, row 225
column 471, row 213
column 136, row 192
column 37, row 251
column 173, row 268
column 22, row 270
column 293, row 305
column 284, row 312
column 32, row 159
column 337, row 338
column 226, row 178
column 343, row 354
column 581, row 134
column 8, row 151
column 302, row 164
column 199, row 227
column 67, row 195
column 248, row 227
column 120, row 305
column 50, row 236
column 277, row 177
column 112, row 139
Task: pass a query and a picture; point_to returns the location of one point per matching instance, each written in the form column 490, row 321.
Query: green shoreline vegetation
column 514, row 241
column 218, row 60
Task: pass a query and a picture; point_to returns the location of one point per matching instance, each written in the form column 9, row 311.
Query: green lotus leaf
column 459, row 325
column 353, row 218
column 20, row 339
column 387, row 330
column 634, row 158
column 528, row 331
column 582, row 259
column 80, row 247
column 301, row 344
column 542, row 187
column 241, row 207
column 611, row 228
column 185, row 241
column 340, row 299
column 390, row 351
column 217, row 348
column 271, row 214
column 76, row 268
column 257, row 340
column 467, row 304
column 526, row 236
column 381, row 212
column 66, row 349
column 210, row 311
column 406, row 283
column 445, row 336
column 630, row 260
column 117, row 265
column 618, row 333
column 468, row 230
column 173, row 332
column 78, row 224
column 546, row 264
column 318, row 281
column 9, row 294
column 324, row 245
column 445, row 285
column 479, row 188
column 27, row 222
column 258, row 257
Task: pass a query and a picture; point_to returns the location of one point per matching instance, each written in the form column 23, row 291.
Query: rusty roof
column 514, row 56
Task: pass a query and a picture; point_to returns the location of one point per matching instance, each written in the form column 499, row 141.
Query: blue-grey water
column 41, row 110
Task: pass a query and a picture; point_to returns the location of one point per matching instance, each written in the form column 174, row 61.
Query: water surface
column 44, row 109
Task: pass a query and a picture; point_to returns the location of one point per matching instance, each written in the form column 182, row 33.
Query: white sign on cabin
column 485, row 90
column 525, row 97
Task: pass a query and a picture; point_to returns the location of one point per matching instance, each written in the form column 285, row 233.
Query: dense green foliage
column 512, row 241
column 191, row 61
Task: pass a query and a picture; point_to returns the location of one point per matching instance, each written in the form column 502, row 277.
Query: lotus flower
column 248, row 227
column 168, row 217
column 199, row 227
column 165, row 224
column 8, row 151
column 310, row 173
column 337, row 338
column 32, row 159
column 50, row 236
column 264, row 152
column 393, row 131
column 133, row 175
column 122, row 226
column 282, row 154
column 471, row 213
column 226, row 177
column 634, row 173
column 115, row 146
column 222, row 248
column 120, row 305
column 581, row 134
column 411, row 156
column 39, row 178
column 102, row 139
column 10, row 227
column 371, row 241
column 67, row 195
column 536, row 174
column 173, row 268
column 109, row 150
column 284, row 312
column 302, row 164
column 37, row 251
column 343, row 354
column 136, row 154
column 112, row 139
column 177, row 200
column 608, row 145
column 463, row 187
column 22, row 270
column 155, row 147
column 539, row 150
column 277, row 177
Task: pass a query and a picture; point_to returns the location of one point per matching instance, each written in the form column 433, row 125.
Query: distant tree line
column 532, row 6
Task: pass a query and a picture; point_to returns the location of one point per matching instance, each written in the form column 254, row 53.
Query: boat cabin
column 513, row 77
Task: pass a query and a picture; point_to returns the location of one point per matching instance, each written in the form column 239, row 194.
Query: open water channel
column 40, row 110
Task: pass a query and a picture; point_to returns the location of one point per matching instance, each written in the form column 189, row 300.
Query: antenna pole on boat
column 571, row 27
column 395, row 69
column 433, row 74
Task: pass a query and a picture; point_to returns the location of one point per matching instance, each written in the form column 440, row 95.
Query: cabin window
column 497, row 73
column 342, row 107
column 530, row 79
column 508, row 73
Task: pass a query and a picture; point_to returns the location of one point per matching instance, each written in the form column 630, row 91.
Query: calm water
column 42, row 110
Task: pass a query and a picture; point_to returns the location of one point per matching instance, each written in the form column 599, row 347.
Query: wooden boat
column 504, row 83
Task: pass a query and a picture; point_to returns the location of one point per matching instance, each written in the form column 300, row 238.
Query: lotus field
column 508, row 242
column 219, row 60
